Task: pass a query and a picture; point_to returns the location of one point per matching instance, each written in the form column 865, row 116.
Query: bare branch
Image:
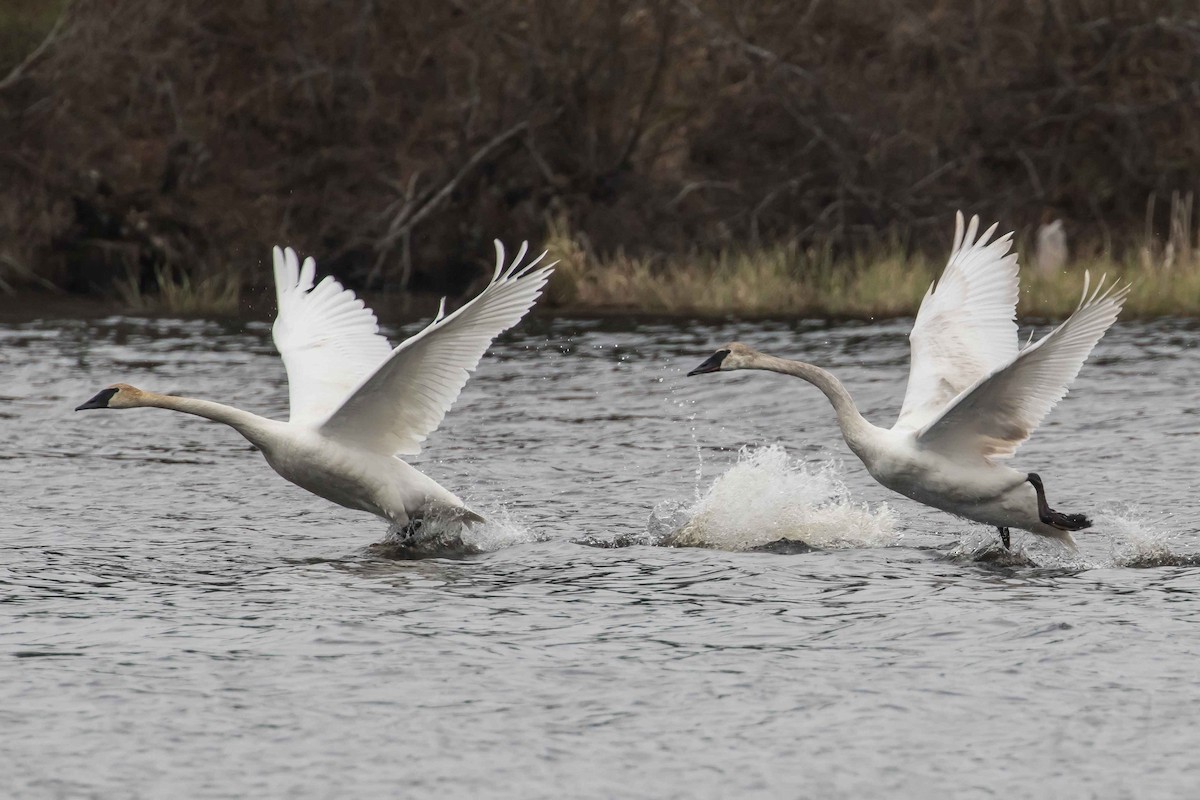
column 15, row 74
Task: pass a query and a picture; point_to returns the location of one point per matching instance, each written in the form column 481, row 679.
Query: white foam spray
column 446, row 536
column 1137, row 539
column 767, row 496
column 1124, row 535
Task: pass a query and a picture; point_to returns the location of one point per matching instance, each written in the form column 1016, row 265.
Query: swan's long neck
column 255, row 428
column 855, row 428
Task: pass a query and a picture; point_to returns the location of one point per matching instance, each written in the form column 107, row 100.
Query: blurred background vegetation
column 678, row 154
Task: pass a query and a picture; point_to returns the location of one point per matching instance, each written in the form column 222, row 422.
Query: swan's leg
column 1064, row 522
column 1004, row 537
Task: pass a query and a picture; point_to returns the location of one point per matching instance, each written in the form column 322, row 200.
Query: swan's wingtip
column 521, row 251
column 499, row 245
column 1087, row 282
column 530, row 267
column 987, row 235
column 970, row 238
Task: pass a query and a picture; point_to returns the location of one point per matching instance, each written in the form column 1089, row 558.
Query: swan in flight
column 973, row 394
column 357, row 403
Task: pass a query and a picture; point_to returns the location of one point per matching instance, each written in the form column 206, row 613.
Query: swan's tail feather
column 1062, row 537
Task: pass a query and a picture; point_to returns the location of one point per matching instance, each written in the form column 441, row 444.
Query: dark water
column 177, row 621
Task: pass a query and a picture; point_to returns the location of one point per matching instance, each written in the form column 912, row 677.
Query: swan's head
column 119, row 395
column 734, row 355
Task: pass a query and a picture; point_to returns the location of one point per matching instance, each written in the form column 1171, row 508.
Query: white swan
column 973, row 396
column 356, row 403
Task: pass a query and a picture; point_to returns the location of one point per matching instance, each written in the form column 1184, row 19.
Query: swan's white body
column 991, row 493
column 357, row 403
column 973, row 395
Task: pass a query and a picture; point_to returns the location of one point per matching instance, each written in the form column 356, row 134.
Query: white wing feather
column 395, row 409
column 966, row 326
column 328, row 339
column 993, row 417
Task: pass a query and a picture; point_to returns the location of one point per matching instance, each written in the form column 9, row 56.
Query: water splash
column 767, row 497
column 1139, row 539
column 502, row 530
column 982, row 546
column 1133, row 537
column 446, row 536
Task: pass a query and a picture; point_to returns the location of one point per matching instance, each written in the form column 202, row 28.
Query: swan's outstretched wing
column 966, row 326
column 997, row 414
column 397, row 407
column 328, row 339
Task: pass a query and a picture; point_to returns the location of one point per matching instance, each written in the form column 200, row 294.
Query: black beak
column 99, row 401
column 711, row 364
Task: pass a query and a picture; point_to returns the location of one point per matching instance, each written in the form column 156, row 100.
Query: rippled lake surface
column 178, row 621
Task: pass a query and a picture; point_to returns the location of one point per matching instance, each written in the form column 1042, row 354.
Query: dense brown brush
column 394, row 139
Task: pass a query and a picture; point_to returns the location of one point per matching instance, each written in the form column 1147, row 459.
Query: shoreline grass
column 783, row 280
column 177, row 292
column 777, row 281
column 762, row 285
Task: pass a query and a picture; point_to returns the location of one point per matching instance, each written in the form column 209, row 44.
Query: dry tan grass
column 788, row 281
column 179, row 293
column 770, row 281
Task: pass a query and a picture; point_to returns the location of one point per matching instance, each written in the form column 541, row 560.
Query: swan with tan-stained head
column 357, row 403
column 973, row 394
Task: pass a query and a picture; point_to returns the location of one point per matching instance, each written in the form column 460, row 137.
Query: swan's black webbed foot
column 1004, row 538
column 1064, row 522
